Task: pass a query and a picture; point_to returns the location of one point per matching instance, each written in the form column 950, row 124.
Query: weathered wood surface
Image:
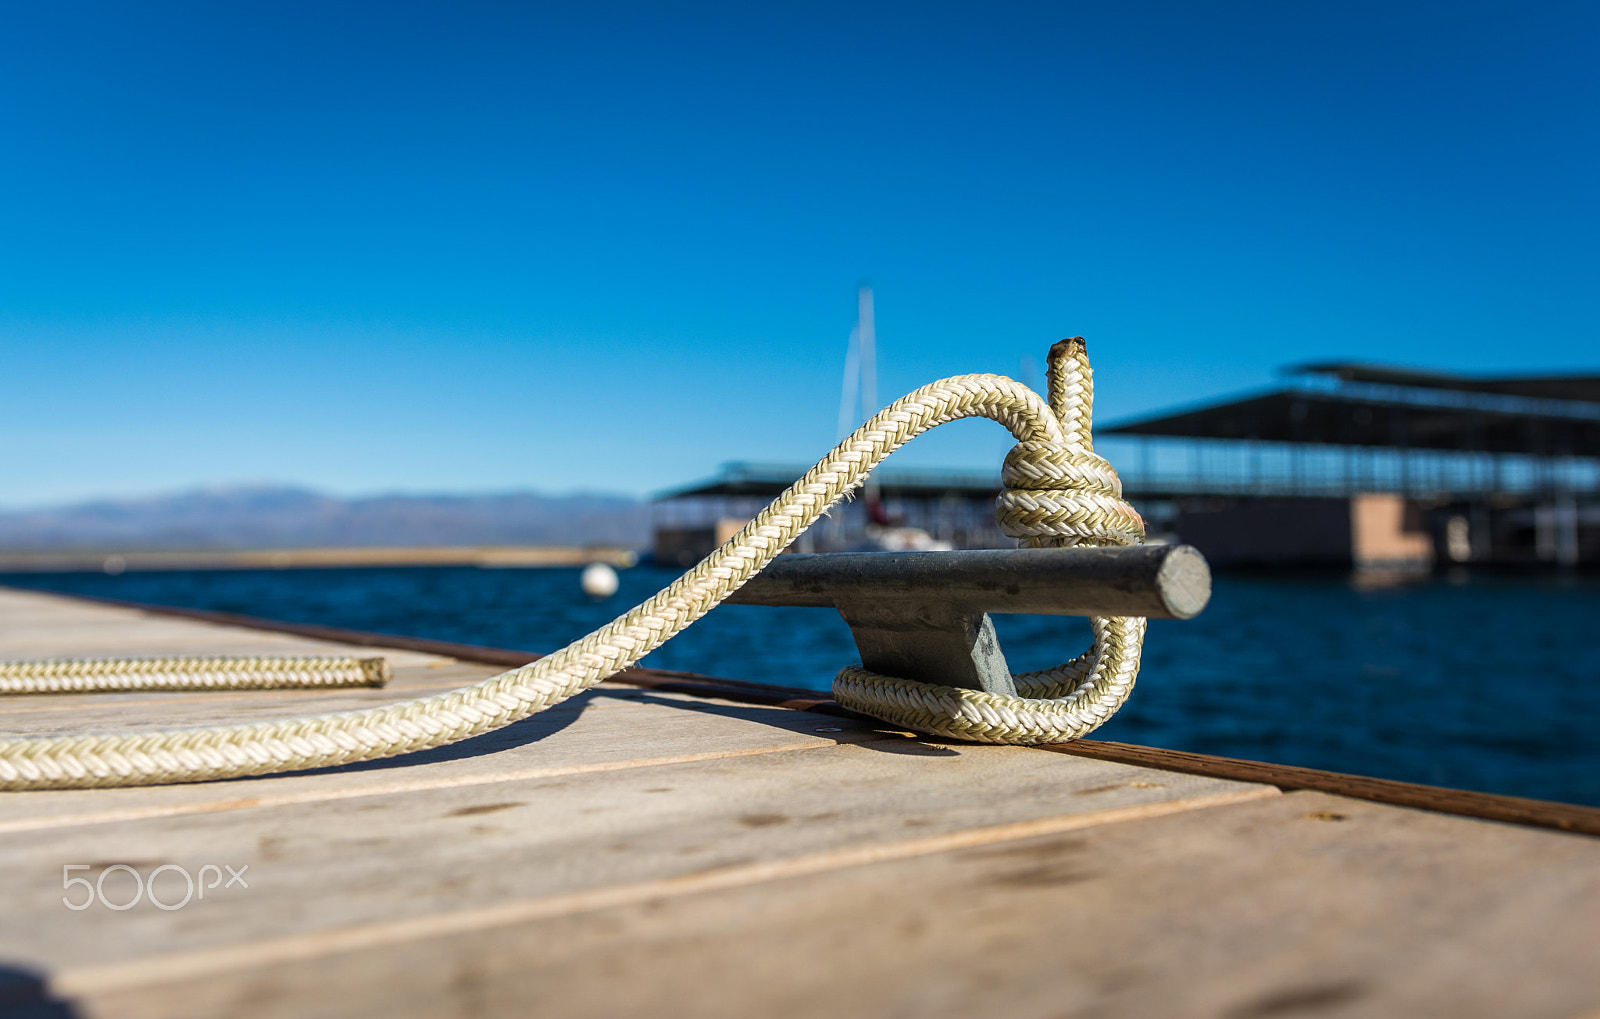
column 639, row 851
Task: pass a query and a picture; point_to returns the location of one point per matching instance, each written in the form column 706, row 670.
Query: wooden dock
column 668, row 846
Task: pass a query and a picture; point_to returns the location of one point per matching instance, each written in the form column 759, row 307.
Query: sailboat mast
column 866, row 342
column 869, row 354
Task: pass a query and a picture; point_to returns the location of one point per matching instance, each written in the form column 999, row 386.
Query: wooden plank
column 35, row 625
column 39, row 626
column 49, row 714
column 1305, row 904
column 388, row 854
column 605, row 729
column 12, row 598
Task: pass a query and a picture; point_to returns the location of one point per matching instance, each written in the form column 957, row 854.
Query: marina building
column 1353, row 464
column 1343, row 465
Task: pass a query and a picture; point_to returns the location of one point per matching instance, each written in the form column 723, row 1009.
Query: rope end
column 1069, row 347
column 375, row 671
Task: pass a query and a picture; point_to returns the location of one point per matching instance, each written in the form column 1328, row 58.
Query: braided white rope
column 124, row 675
column 1088, row 688
column 1057, row 492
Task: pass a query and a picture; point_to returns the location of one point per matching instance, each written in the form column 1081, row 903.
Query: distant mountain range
column 275, row 517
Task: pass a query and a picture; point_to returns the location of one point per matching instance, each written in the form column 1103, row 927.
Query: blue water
column 1486, row 683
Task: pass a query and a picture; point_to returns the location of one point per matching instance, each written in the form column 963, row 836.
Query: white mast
column 858, row 396
column 850, row 389
column 869, row 355
column 867, row 342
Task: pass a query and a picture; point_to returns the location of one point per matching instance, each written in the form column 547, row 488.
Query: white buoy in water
column 599, row 581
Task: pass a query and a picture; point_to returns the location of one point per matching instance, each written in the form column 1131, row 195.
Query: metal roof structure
column 1363, row 405
column 1581, row 388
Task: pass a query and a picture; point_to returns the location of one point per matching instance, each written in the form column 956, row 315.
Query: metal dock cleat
column 923, row 616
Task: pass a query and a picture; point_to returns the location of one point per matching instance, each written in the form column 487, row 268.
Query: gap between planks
column 1567, row 817
column 113, row 977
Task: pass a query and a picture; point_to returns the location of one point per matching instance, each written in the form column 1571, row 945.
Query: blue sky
column 469, row 247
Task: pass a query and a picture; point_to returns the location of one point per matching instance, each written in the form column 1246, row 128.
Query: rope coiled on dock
column 1058, row 492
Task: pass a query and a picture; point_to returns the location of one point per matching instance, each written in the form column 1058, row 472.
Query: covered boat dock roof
column 1580, row 388
column 1362, row 405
